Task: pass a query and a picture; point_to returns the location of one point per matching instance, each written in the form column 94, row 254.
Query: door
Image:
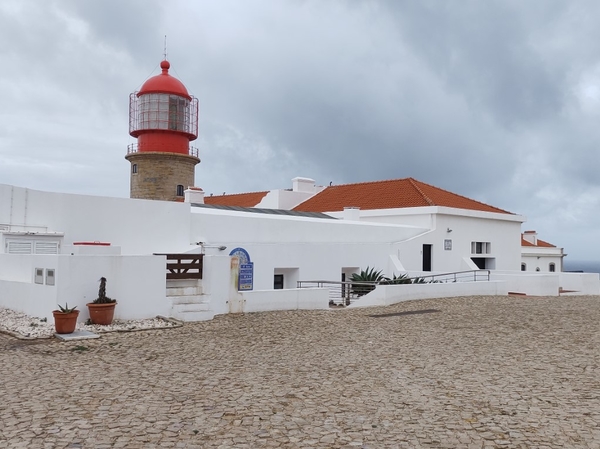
column 427, row 257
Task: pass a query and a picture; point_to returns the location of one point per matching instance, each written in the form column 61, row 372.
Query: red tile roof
column 391, row 194
column 540, row 243
column 239, row 199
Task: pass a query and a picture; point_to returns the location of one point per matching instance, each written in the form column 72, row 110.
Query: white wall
column 543, row 284
column 138, row 283
column 541, row 258
column 502, row 230
column 580, row 283
column 391, row 294
column 137, row 226
column 293, row 299
column 317, row 248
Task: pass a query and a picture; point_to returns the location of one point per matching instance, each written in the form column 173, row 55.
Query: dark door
column 278, row 282
column 426, row 257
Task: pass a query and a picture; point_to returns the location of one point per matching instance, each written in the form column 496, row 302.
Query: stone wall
column 158, row 175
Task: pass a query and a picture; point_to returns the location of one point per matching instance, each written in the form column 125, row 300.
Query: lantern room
column 162, row 115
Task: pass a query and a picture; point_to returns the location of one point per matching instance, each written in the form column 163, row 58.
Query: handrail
column 342, row 293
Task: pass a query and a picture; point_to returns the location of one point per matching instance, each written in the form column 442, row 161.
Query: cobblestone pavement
column 470, row 373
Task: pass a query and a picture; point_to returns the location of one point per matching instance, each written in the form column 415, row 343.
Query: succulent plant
column 102, row 298
column 66, row 308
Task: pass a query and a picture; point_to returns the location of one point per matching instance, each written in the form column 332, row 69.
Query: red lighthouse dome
column 164, row 83
column 163, row 117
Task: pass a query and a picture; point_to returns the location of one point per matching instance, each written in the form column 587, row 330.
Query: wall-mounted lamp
column 448, row 230
column 204, row 245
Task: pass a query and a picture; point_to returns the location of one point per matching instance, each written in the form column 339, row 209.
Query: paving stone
column 482, row 372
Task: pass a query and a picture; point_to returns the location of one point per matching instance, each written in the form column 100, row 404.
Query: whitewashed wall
column 384, row 295
column 542, row 284
column 137, row 226
column 503, row 231
column 292, row 299
column 138, row 283
column 580, row 283
column 319, row 249
column 539, row 259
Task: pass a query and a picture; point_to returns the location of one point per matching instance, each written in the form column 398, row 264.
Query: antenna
column 165, row 53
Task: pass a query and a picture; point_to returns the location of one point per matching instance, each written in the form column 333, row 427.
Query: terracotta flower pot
column 102, row 313
column 65, row 323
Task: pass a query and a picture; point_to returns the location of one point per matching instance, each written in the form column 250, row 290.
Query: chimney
column 305, row 185
column 531, row 237
column 194, row 195
column 351, row 213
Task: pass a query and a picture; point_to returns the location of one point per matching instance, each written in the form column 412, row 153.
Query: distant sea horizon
column 587, row 266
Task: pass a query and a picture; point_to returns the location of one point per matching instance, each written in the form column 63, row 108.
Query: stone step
column 193, row 307
column 184, row 291
column 196, row 299
column 194, row 316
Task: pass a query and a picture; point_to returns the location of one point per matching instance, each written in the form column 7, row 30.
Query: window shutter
column 19, row 247
column 46, row 247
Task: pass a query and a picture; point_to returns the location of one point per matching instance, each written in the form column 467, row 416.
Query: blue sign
column 246, row 273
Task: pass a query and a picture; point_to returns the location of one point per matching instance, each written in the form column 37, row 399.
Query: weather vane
column 165, row 53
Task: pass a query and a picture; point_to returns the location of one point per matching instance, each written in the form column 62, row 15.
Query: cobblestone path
column 469, row 373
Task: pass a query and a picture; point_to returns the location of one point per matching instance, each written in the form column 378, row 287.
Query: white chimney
column 194, row 195
column 305, row 185
column 351, row 213
column 531, row 237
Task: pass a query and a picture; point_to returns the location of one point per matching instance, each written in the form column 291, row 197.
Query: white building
column 540, row 256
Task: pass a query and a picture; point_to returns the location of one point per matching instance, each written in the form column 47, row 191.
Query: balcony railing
column 133, row 148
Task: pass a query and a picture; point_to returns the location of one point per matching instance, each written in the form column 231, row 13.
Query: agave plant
column 368, row 276
column 400, row 279
column 66, row 308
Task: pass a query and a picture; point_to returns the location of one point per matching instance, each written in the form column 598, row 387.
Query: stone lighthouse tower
column 164, row 119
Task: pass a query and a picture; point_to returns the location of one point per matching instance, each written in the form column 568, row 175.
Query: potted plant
column 102, row 309
column 65, row 319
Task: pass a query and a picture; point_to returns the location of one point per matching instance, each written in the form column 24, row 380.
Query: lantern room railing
column 133, row 148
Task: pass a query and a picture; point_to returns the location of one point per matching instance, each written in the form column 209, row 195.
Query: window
column 552, row 267
column 523, row 267
column 179, row 190
column 134, row 168
column 481, row 247
column 278, row 282
column 164, row 111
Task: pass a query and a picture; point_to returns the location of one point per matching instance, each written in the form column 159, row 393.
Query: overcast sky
column 495, row 100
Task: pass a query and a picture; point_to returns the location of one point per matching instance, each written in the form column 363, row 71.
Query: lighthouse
column 163, row 117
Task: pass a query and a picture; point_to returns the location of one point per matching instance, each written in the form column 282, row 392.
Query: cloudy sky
column 495, row 100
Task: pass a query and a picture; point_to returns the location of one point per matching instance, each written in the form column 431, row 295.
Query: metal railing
column 133, row 148
column 344, row 293
column 184, row 266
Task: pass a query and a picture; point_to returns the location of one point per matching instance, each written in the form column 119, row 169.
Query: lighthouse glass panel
column 164, row 111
